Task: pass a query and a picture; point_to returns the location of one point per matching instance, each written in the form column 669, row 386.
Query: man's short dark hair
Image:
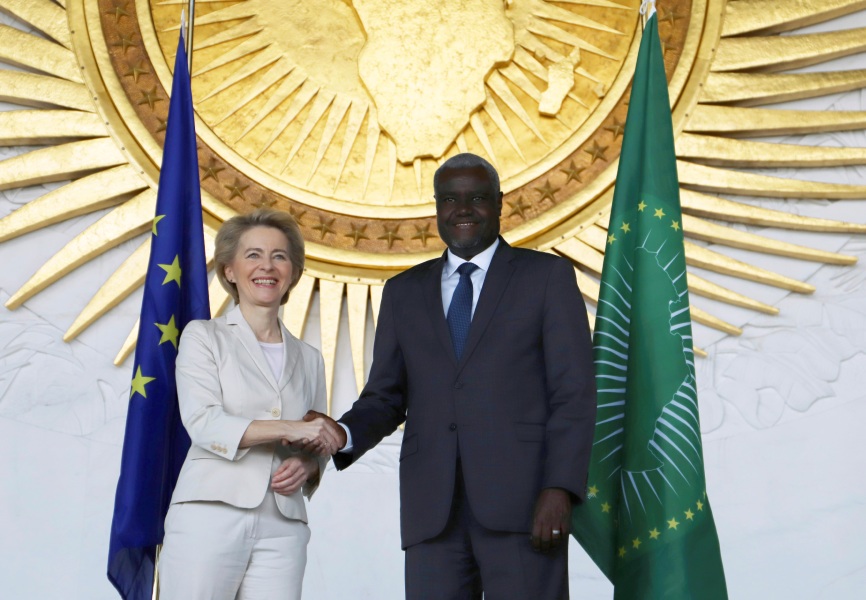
column 468, row 161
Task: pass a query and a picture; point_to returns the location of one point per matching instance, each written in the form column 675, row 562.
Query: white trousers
column 215, row 551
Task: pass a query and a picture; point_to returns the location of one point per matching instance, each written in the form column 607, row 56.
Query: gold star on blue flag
column 156, row 443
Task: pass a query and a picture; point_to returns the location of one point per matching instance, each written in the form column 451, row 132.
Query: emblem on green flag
column 647, row 521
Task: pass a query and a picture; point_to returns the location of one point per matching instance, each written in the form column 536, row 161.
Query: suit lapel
column 248, row 340
column 495, row 282
column 433, row 297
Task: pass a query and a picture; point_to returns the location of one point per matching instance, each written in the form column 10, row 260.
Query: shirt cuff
column 348, row 447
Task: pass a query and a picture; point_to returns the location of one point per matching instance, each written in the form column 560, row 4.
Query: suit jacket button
column 453, row 427
column 275, row 413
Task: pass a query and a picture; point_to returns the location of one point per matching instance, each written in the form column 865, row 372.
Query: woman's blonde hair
column 229, row 237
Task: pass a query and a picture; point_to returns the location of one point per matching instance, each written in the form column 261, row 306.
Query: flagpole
column 189, row 32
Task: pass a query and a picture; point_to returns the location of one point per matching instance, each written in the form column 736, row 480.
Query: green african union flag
column 647, row 521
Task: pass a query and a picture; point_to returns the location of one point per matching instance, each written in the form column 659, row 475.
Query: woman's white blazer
column 224, row 382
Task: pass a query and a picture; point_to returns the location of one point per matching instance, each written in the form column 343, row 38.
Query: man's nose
column 464, row 205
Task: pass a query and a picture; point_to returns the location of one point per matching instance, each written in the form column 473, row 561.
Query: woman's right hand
column 313, row 436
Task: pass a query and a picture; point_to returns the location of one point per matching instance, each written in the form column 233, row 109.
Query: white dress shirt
column 450, row 276
column 450, row 279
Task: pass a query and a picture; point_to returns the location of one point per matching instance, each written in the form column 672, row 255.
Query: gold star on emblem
column 659, row 213
column 119, row 10
column 625, row 227
column 324, row 226
column 169, row 332
column 264, row 202
column 635, row 543
column 672, row 524
column 573, row 173
column 605, row 508
column 593, row 491
column 596, row 151
column 690, row 515
column 161, row 126
column 236, row 189
column 357, row 233
column 617, row 128
column 422, row 233
column 297, row 214
column 641, row 206
column 611, row 238
column 519, row 207
column 700, row 505
column 211, row 170
column 670, row 15
column 136, row 70
column 138, row 383
column 621, row 551
column 654, row 534
column 390, row 234
column 125, row 43
column 150, row 97
column 156, row 220
column 172, row 271
column 547, row 192
column 675, row 225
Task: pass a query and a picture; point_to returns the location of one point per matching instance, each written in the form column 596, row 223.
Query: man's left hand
column 551, row 520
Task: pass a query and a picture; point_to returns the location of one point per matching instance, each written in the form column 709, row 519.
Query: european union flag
column 175, row 292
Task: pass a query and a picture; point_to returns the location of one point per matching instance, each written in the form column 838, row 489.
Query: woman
column 237, row 527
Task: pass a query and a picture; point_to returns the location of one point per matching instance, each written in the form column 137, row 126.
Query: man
column 490, row 366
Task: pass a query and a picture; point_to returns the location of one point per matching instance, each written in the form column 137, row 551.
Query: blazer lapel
column 433, row 297
column 495, row 282
column 248, row 340
column 291, row 354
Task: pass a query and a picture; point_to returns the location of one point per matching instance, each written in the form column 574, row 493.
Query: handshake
column 316, row 434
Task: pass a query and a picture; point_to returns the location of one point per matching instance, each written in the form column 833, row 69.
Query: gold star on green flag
column 169, row 332
column 138, row 383
column 172, row 271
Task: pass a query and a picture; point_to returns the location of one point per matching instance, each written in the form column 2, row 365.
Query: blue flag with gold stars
column 175, row 293
column 647, row 521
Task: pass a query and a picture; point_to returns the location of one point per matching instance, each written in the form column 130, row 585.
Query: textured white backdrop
column 782, row 407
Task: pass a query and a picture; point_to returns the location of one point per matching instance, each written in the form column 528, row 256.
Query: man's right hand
column 334, row 432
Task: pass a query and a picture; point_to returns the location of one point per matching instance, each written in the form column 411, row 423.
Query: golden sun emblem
column 340, row 111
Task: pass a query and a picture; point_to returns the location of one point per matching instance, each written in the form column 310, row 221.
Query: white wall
column 783, row 407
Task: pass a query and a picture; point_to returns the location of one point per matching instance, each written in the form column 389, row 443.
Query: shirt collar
column 482, row 259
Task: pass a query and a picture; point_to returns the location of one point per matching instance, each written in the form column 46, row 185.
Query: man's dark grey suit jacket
column 519, row 404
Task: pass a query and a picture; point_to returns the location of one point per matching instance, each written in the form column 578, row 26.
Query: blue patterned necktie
column 460, row 311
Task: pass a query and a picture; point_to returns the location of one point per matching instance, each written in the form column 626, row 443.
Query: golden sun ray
column 283, row 111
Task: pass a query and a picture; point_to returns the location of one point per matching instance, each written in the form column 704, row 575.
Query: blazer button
column 275, row 412
column 453, row 427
